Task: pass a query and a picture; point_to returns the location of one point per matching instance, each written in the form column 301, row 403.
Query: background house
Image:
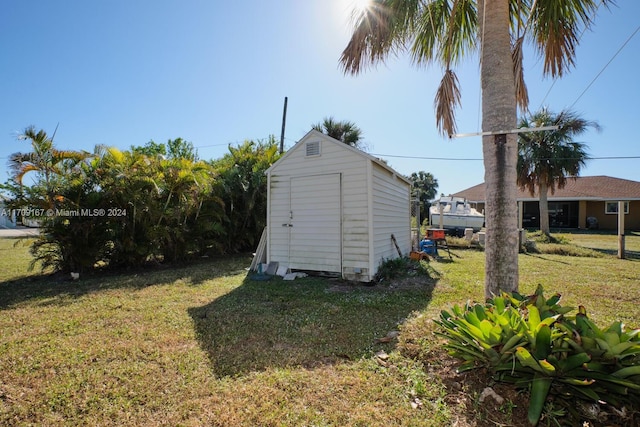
column 333, row 208
column 582, row 198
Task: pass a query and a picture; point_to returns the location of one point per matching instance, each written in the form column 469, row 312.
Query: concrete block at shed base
column 272, row 268
column 282, row 270
column 293, row 276
column 481, row 238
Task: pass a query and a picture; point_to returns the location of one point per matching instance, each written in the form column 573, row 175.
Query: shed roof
column 578, row 188
column 314, row 133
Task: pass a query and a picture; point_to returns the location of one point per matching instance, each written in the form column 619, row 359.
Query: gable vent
column 313, row 148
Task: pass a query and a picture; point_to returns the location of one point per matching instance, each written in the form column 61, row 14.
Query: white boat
column 457, row 214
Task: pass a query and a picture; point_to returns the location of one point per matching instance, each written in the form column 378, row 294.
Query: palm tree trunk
column 544, row 208
column 500, row 152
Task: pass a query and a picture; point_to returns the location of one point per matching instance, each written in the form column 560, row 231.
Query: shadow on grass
column 57, row 288
column 540, row 256
column 608, row 234
column 307, row 322
column 630, row 255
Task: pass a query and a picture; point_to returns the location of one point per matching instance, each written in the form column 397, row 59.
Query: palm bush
column 243, row 192
column 532, row 342
column 154, row 209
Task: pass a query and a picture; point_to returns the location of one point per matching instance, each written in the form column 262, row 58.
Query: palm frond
column 556, row 29
column 462, row 30
column 58, row 156
column 522, row 94
column 518, row 11
column 21, row 170
column 447, row 99
column 572, row 124
column 445, row 32
column 379, row 30
column 430, row 30
column 40, row 142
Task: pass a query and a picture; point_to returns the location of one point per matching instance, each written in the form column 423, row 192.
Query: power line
column 424, row 158
column 479, row 159
column 605, row 67
column 213, row 145
column 597, row 75
column 579, row 39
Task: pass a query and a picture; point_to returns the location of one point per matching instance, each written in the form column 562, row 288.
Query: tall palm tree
column 547, row 159
column 344, row 131
column 48, row 162
column 443, row 32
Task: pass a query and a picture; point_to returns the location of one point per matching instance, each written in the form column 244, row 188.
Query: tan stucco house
column 583, row 202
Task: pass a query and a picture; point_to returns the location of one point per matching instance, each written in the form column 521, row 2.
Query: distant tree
column 17, row 196
column 180, row 149
column 344, row 131
column 547, row 159
column 424, row 187
column 174, row 149
column 151, row 149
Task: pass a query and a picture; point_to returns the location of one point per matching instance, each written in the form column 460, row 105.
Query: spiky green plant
column 532, row 342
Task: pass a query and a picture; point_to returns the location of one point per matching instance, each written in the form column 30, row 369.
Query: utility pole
column 284, row 121
column 621, row 253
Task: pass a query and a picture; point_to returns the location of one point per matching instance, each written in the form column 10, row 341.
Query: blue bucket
column 428, row 246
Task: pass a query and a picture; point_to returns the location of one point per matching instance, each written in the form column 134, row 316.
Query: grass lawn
column 205, row 345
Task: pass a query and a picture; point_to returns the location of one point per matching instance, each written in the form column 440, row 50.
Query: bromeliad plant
column 532, row 342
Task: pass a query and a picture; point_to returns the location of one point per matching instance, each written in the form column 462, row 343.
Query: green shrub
column 532, row 343
column 402, row 267
column 540, row 237
column 458, row 242
column 567, row 250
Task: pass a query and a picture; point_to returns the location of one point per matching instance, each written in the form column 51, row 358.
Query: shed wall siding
column 391, row 215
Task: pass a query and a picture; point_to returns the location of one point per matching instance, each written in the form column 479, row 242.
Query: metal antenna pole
column 284, row 121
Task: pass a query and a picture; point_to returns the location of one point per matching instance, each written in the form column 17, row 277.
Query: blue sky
column 123, row 72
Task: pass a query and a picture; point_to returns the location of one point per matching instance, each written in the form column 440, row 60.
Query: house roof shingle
column 581, row 188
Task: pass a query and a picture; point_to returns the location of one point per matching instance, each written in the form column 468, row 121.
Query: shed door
column 315, row 241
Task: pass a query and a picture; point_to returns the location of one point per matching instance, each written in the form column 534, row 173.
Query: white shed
column 334, row 208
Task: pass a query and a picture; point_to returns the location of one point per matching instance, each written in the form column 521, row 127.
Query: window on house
column 612, row 207
column 313, row 148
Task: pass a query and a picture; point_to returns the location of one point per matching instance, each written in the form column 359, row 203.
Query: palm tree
column 443, row 32
column 343, row 131
column 243, row 189
column 48, row 162
column 547, row 159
